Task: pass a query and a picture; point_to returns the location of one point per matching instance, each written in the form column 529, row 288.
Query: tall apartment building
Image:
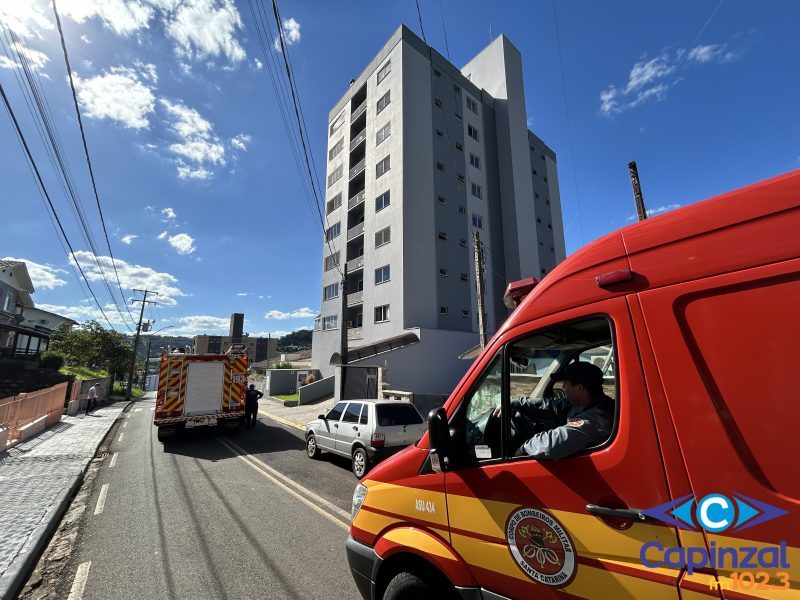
column 420, row 156
column 258, row 348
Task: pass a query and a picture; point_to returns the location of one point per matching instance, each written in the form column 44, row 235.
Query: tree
column 89, row 345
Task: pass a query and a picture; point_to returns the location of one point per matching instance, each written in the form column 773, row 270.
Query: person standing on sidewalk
column 91, row 403
column 251, row 406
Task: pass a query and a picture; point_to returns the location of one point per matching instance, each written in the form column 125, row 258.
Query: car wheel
column 312, row 450
column 407, row 586
column 360, row 462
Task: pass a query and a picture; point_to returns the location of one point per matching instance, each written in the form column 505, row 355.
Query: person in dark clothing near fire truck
column 251, row 406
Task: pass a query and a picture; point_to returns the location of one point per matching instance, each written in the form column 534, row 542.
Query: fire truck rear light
column 613, row 277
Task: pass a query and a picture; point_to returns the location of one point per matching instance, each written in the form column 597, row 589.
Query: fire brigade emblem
column 541, row 547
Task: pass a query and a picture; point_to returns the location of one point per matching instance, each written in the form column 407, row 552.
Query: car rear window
column 397, row 414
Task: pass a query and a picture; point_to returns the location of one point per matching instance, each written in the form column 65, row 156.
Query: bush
column 120, row 390
column 51, row 360
column 309, row 379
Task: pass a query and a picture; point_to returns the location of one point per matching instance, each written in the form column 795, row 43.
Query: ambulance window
column 336, row 412
column 481, row 427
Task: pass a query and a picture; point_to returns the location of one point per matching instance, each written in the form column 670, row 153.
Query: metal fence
column 28, row 412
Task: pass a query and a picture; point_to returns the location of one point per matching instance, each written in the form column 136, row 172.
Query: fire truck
column 200, row 390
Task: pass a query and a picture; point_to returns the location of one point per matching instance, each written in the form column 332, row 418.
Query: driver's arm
column 563, row 441
column 540, row 409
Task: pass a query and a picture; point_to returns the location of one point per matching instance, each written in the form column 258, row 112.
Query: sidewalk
column 293, row 416
column 37, row 481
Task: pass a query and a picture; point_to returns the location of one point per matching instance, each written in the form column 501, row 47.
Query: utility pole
column 144, row 301
column 343, row 334
column 638, row 198
column 479, row 265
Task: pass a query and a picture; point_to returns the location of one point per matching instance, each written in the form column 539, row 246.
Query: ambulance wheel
column 406, row 585
column 312, row 450
column 360, row 462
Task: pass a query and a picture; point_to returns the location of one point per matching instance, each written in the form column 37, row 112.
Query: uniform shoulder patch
column 576, row 422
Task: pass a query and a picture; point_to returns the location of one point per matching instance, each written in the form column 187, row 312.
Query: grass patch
column 289, row 397
column 83, row 372
column 119, row 390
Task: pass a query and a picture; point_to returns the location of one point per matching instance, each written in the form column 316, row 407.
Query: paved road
column 212, row 516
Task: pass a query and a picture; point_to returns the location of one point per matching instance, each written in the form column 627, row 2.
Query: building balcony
column 358, row 111
column 355, row 299
column 356, row 200
column 356, row 264
column 358, row 167
column 356, row 333
column 356, row 231
column 358, row 139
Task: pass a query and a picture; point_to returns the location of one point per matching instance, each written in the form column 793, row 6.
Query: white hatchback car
column 366, row 431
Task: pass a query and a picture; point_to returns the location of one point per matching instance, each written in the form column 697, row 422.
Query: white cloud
column 119, row 95
column 187, row 172
column 655, row 211
column 82, row 314
column 128, row 238
column 122, row 16
column 168, row 214
column 713, row 53
column 186, row 122
column 241, row 141
column 242, row 294
column 44, row 277
column 257, row 64
column 162, row 235
column 35, row 59
column 131, row 276
column 25, row 18
column 291, row 33
column 199, row 148
column 183, row 243
column 203, row 28
column 200, row 324
column 300, row 313
column 85, row 39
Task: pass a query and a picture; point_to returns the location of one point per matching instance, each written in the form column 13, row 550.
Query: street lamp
column 147, row 358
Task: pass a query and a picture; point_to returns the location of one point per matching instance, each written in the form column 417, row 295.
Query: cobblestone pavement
column 34, row 476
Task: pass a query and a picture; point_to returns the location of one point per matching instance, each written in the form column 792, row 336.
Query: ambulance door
column 535, row 528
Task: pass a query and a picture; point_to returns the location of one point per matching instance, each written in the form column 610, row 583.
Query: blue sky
column 204, row 202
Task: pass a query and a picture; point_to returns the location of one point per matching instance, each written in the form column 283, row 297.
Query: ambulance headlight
column 359, row 494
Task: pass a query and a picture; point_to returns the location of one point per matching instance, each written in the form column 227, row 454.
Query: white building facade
column 421, row 155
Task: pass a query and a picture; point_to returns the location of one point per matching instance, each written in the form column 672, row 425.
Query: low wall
column 24, row 415
column 319, row 389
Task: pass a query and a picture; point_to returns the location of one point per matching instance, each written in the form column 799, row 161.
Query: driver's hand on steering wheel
column 496, row 412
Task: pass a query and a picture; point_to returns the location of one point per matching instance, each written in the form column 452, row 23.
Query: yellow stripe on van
column 414, row 503
column 411, row 538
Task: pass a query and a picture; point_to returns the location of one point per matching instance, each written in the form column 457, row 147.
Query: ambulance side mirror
column 439, row 436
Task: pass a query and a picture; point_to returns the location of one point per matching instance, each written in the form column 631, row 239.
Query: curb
column 21, row 567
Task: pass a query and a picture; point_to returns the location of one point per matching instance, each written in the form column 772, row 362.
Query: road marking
column 281, row 420
column 101, row 500
column 152, row 408
column 267, row 471
column 79, row 583
column 113, row 460
column 125, row 424
column 121, row 435
column 137, row 410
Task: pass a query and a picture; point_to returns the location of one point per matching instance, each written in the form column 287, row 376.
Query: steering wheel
column 522, row 428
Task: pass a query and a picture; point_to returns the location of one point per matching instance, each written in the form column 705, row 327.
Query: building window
column 441, row 200
column 318, row 324
column 382, row 201
column 458, row 116
column 442, row 235
column 440, row 133
column 460, row 177
column 465, row 313
column 335, row 175
column 477, row 220
column 330, row 291
column 338, row 147
column 477, row 190
column 329, row 323
column 384, row 71
column 382, row 313
column 443, row 310
column 475, row 161
column 545, row 178
column 382, row 167
column 462, row 209
column 542, row 156
column 333, row 204
column 443, row 272
column 538, row 219
column 383, row 237
column 437, row 102
column 459, row 146
column 534, row 172
column 541, row 244
column 536, row 195
column 384, row 101
column 332, row 261
column 544, row 271
column 333, row 231
column 464, row 276
column 472, row 105
column 383, row 133
column 472, row 132
column 547, row 201
column 382, row 274
column 553, row 250
column 549, row 225
column 456, row 89
column 439, row 166
column 336, row 124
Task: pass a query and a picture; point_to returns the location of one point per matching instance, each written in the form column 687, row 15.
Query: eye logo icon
column 715, row 513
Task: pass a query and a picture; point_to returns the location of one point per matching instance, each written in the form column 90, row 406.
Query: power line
column 32, row 162
column 86, row 154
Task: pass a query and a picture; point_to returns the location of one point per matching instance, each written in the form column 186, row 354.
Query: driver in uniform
column 584, row 419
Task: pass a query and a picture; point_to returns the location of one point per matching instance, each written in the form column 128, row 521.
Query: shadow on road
column 201, row 443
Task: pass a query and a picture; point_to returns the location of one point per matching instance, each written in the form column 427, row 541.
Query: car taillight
column 377, row 440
